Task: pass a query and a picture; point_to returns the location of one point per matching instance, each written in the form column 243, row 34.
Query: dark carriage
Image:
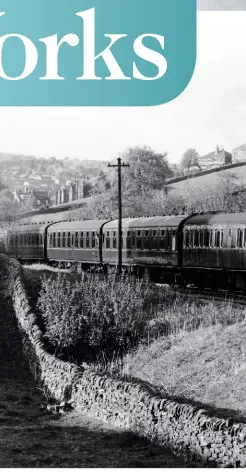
column 27, row 242
column 148, row 243
column 214, row 250
column 76, row 242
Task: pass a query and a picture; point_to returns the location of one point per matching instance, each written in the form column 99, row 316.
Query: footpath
column 32, row 437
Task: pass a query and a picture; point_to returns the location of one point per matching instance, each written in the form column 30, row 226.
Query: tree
column 189, row 159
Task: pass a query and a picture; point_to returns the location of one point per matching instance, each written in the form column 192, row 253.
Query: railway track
column 236, row 298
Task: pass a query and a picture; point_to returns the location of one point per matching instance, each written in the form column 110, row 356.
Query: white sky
column 211, row 111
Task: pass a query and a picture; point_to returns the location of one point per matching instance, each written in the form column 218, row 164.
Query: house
column 70, row 192
column 35, row 199
column 239, row 154
column 215, row 159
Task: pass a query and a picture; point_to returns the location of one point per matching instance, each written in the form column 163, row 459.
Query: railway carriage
column 28, row 242
column 214, row 250
column 148, row 243
column 76, row 242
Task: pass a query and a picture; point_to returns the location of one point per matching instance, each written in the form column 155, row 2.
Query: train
column 208, row 250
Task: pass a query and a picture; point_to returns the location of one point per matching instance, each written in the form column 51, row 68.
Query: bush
column 83, row 318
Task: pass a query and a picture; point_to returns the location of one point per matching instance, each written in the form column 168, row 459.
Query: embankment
column 188, row 430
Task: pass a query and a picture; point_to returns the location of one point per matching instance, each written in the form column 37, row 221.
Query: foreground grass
column 207, row 366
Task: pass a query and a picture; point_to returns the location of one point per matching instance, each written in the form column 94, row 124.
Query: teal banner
column 95, row 52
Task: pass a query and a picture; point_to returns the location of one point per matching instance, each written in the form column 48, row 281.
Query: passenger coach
column 76, row 242
column 149, row 243
column 214, row 250
column 28, row 242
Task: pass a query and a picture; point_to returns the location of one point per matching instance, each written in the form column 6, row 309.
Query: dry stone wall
column 189, row 431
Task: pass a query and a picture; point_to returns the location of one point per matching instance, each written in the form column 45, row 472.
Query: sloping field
column 236, row 175
column 206, row 366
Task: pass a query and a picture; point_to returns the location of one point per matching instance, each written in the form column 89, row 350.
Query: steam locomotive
column 208, row 249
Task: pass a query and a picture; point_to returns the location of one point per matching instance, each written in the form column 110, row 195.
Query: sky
column 211, row 111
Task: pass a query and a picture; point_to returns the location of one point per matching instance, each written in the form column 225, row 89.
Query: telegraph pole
column 119, row 166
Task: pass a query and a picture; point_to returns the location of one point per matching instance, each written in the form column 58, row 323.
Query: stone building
column 68, row 193
column 239, row 154
column 215, row 159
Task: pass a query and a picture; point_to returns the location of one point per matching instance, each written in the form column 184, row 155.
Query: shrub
column 83, row 318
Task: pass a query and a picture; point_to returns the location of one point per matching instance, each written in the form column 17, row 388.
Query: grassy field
column 207, row 365
column 210, row 180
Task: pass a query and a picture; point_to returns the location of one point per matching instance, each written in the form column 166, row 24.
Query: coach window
column 162, row 239
column 128, row 240
column 93, row 239
column 211, row 240
column 58, row 240
column 139, row 240
column 217, row 238
column 87, row 240
column 134, row 239
column 221, row 238
column 54, row 240
column 108, row 240
column 154, row 240
column 40, row 239
column 244, row 238
column 201, row 238
column 191, row 239
column 173, row 240
column 63, row 239
column 81, row 243
column 186, row 238
column 97, row 239
column 50, row 240
column 114, row 240
column 206, row 238
column 239, row 238
column 146, row 240
column 68, row 240
column 76, row 240
column 196, row 238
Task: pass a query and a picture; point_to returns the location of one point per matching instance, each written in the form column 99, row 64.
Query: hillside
column 237, row 175
column 18, row 169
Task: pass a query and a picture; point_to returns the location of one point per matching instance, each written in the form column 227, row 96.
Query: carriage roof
column 219, row 218
column 148, row 222
column 76, row 225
